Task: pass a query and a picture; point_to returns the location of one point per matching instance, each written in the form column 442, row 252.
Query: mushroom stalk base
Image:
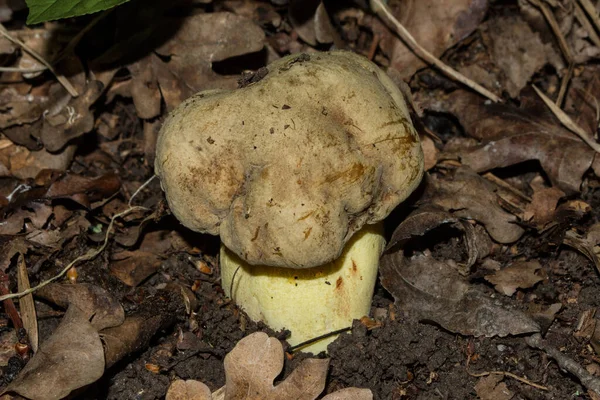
column 308, row 302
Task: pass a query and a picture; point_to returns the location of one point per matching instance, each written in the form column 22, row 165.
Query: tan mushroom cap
column 287, row 169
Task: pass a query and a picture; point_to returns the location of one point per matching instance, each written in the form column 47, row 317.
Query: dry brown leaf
column 583, row 100
column 542, row 209
column 69, row 359
column 521, row 275
column 133, row 267
column 132, row 335
column 434, row 27
column 252, row 366
column 200, row 41
column 491, row 387
column 188, row 390
column 254, row 363
column 587, row 244
column 434, row 290
column 512, row 135
column 100, row 307
column 516, row 50
column 467, row 195
column 22, row 163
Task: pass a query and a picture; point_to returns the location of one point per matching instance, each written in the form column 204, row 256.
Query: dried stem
column 383, row 11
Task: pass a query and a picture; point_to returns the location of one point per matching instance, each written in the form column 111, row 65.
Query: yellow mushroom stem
column 308, row 302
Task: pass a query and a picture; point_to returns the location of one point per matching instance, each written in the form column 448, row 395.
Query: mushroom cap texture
column 288, row 168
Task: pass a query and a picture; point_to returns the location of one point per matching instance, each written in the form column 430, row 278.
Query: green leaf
column 46, row 10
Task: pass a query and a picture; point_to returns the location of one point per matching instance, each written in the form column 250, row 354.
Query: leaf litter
column 500, row 242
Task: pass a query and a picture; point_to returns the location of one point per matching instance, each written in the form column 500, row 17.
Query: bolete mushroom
column 294, row 170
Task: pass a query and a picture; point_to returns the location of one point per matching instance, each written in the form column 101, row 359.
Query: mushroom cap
column 288, row 168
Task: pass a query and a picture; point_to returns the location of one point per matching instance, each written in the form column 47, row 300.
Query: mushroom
column 294, row 170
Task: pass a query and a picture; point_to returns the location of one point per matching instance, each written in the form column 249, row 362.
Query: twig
column 133, row 196
column 22, row 70
column 292, row 349
column 510, row 375
column 564, row 362
column 567, row 121
column 383, row 11
column 591, row 12
column 582, row 19
column 61, row 78
column 90, row 255
column 564, row 48
column 27, row 305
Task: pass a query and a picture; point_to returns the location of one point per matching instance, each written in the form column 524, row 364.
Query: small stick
column 383, row 11
column 568, row 364
column 291, row 349
column 567, row 121
column 90, row 255
column 564, row 48
column 61, row 78
column 510, row 375
column 582, row 19
column 591, row 12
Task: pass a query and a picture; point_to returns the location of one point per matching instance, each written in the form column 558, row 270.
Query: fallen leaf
column 542, row 209
column 491, row 387
column 182, row 64
column 583, row 99
column 22, row 163
column 132, row 335
column 100, row 307
column 511, row 135
column 350, row 394
column 434, row 27
column 133, row 267
column 435, row 291
column 519, row 275
column 467, row 195
column 587, row 244
column 69, row 359
column 516, row 50
column 311, row 21
column 257, row 360
column 188, row 390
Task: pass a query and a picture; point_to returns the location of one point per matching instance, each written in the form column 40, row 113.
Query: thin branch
column 61, row 78
column 510, row 375
column 566, row 363
column 383, row 11
column 591, row 12
column 22, row 70
column 564, row 48
column 582, row 19
column 91, row 254
column 568, row 122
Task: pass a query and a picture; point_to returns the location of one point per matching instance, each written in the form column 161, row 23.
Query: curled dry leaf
column 69, row 359
column 517, row 275
column 434, row 27
column 435, row 291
